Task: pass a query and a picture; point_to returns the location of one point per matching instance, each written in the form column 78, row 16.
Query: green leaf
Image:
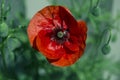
column 1, row 77
column 9, row 56
column 3, row 29
column 12, row 56
column 21, row 36
column 13, row 43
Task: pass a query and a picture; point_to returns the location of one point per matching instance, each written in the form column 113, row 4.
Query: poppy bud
column 96, row 11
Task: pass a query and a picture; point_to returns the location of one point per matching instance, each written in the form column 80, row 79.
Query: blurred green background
column 18, row 61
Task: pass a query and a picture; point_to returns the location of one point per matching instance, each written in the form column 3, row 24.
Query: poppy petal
column 83, row 33
column 66, row 59
column 74, row 51
column 83, row 29
column 72, row 44
column 37, row 23
column 48, row 47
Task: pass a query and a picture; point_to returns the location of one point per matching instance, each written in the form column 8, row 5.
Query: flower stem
column 3, row 54
column 91, row 1
column 97, row 4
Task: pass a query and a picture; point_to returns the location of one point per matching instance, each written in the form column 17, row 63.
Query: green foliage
column 3, row 29
column 18, row 61
column 13, row 43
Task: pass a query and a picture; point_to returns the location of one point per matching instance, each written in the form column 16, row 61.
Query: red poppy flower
column 57, row 35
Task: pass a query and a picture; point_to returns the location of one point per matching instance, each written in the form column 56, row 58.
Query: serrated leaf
column 3, row 29
column 13, row 43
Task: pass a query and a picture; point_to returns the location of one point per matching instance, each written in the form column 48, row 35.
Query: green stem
column 107, row 43
column 3, row 55
column 1, row 20
column 91, row 2
column 97, row 4
column 3, row 59
column 2, row 11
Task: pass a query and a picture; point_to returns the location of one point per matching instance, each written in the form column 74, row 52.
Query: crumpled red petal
column 72, row 56
column 72, row 44
column 49, row 48
column 67, row 59
column 41, row 19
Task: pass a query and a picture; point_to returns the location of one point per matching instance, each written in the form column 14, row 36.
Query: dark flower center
column 60, row 35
